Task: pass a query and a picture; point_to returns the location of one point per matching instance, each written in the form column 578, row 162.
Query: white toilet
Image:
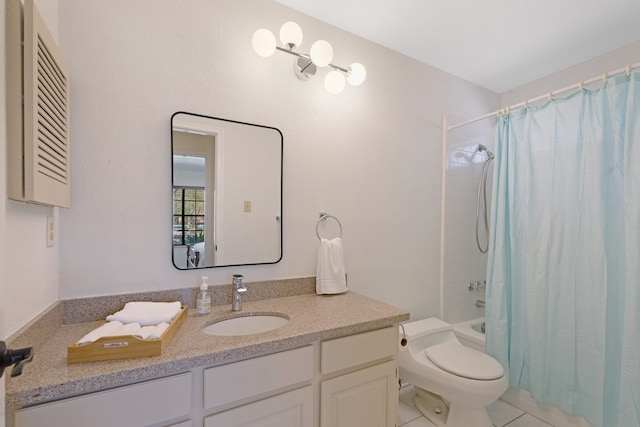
column 453, row 383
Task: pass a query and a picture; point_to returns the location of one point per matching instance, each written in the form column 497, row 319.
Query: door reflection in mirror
column 227, row 192
column 193, row 173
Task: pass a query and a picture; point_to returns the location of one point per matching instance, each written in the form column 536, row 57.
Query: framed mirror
column 226, row 192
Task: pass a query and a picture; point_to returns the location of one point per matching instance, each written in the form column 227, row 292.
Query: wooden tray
column 124, row 346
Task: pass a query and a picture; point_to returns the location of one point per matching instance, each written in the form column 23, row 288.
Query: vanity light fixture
column 306, row 65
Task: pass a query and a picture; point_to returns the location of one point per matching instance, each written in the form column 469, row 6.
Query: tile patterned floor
column 501, row 413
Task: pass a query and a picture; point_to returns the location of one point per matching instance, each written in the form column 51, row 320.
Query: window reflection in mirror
column 227, row 192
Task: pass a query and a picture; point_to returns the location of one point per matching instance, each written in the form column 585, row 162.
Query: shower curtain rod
column 550, row 95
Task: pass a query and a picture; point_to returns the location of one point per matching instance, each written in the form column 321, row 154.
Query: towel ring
column 324, row 216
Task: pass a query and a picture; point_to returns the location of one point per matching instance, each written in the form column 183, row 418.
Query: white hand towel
column 147, row 313
column 330, row 277
column 108, row 329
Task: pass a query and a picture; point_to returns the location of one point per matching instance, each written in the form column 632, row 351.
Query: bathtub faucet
column 480, row 303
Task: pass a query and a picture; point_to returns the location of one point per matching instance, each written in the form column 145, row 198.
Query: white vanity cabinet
column 344, row 382
column 152, row 403
column 361, row 389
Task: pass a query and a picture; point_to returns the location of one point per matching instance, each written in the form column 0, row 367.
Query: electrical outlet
column 51, row 232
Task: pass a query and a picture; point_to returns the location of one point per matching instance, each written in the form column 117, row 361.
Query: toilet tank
column 425, row 333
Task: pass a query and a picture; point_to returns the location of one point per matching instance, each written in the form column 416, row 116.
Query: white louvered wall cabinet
column 38, row 148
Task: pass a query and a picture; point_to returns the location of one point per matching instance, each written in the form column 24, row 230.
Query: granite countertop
column 312, row 318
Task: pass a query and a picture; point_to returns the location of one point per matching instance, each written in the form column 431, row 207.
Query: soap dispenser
column 203, row 302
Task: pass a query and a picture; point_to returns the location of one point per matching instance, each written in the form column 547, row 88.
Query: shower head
column 482, row 148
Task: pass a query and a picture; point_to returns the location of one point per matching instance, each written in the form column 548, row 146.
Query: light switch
column 51, row 232
column 247, row 205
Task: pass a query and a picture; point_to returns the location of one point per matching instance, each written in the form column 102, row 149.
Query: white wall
column 612, row 61
column 370, row 156
column 28, row 269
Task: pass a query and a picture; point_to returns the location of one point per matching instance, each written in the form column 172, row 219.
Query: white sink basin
column 246, row 324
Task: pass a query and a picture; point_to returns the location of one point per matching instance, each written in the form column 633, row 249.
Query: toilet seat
column 464, row 362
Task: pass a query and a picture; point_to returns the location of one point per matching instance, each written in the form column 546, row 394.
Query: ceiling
column 497, row 44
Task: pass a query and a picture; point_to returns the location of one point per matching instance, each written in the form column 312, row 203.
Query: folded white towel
column 147, row 313
column 152, row 332
column 330, row 277
column 108, row 329
column 145, row 332
column 129, row 329
column 159, row 330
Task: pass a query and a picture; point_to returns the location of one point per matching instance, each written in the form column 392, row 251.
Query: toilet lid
column 464, row 361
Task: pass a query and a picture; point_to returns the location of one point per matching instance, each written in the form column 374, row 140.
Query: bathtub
column 471, row 333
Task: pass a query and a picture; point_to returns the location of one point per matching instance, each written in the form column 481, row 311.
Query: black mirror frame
column 281, row 188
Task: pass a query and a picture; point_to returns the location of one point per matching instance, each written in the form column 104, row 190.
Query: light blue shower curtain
column 563, row 296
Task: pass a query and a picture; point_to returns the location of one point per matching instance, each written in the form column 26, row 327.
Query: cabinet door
column 365, row 398
column 292, row 409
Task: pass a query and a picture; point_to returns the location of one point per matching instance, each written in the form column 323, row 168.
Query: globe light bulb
column 264, row 42
column 321, row 53
column 291, row 35
column 357, row 74
column 334, row 82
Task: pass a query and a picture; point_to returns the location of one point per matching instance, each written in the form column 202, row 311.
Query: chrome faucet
column 238, row 290
column 480, row 303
